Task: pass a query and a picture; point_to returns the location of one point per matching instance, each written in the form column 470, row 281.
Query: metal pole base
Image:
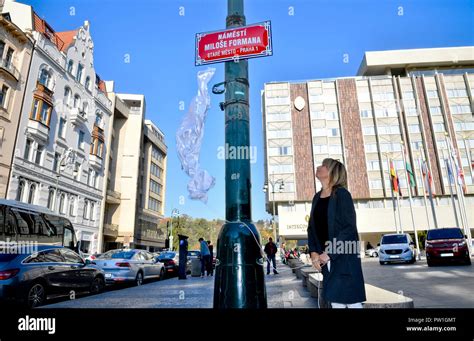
column 240, row 279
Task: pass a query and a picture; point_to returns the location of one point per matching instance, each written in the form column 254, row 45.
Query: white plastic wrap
column 189, row 138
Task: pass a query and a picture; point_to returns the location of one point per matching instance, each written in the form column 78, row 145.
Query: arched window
column 45, row 78
column 67, row 95
column 77, row 100
column 31, row 194
column 50, row 198
column 21, row 190
column 71, row 206
column 70, row 65
column 98, row 118
column 88, row 83
column 92, row 218
column 62, row 203
column 85, row 107
column 85, row 214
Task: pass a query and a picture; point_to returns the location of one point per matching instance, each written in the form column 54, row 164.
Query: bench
column 298, row 270
column 376, row 297
column 305, row 272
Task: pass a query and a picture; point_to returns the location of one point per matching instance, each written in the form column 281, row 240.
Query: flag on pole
column 427, row 177
column 394, row 179
column 411, row 176
column 450, row 172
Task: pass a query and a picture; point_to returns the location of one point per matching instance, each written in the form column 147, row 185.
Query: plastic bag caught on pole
column 189, row 138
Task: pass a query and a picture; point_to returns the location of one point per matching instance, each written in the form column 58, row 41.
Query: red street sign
column 236, row 43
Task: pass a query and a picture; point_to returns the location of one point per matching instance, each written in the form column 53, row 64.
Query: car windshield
column 167, row 255
column 445, row 234
column 395, row 239
column 117, row 254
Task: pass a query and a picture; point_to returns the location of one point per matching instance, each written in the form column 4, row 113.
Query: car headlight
column 460, row 244
column 428, row 244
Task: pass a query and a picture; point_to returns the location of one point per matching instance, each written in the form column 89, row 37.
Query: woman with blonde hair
column 333, row 239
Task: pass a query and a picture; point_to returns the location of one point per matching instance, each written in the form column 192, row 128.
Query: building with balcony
column 15, row 55
column 413, row 100
column 135, row 193
column 60, row 156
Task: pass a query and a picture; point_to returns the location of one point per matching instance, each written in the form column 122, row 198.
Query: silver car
column 129, row 265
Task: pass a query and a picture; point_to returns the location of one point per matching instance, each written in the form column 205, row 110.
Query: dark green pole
column 240, row 281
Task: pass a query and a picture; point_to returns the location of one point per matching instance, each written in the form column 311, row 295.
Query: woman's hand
column 324, row 258
column 316, row 261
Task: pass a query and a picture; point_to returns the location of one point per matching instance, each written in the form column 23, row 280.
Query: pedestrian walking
column 205, row 254
column 332, row 222
column 271, row 250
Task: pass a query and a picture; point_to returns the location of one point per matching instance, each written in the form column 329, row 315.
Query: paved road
column 437, row 287
column 283, row 291
column 429, row 287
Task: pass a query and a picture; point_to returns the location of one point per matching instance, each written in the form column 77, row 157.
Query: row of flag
column 427, row 178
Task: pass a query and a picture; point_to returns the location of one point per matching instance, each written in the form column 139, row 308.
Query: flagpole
column 424, row 195
column 398, row 204
column 451, row 157
column 450, row 175
column 430, row 193
column 393, row 198
column 410, row 200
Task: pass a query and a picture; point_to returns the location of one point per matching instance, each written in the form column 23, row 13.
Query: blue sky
column 310, row 38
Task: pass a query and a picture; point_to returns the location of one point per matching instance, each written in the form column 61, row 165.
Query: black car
column 32, row 276
column 170, row 261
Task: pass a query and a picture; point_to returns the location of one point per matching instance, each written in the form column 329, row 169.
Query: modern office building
column 414, row 100
column 15, row 55
column 59, row 154
column 136, row 182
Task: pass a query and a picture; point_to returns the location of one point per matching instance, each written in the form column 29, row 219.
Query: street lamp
column 174, row 212
column 281, row 186
column 65, row 160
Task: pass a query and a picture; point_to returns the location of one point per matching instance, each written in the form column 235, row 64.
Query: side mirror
column 378, row 244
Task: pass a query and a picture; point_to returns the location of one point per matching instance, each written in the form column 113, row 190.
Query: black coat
column 344, row 283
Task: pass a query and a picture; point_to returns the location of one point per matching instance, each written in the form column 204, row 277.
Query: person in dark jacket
column 210, row 267
column 333, row 238
column 271, row 251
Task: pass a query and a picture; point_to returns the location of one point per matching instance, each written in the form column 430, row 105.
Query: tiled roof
column 67, row 37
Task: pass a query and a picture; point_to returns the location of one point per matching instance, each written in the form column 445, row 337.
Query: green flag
column 410, row 175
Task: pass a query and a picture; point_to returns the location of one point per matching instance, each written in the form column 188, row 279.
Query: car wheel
column 375, row 254
column 468, row 260
column 36, row 295
column 97, row 286
column 139, row 279
column 162, row 273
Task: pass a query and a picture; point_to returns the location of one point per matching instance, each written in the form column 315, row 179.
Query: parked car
column 193, row 254
column 50, row 271
column 397, row 247
column 373, row 252
column 170, row 260
column 447, row 245
column 129, row 265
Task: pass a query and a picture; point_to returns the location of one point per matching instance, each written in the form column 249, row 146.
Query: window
column 334, row 132
column 21, row 190
column 70, row 256
column 432, row 93
column 417, row 145
column 94, row 180
column 70, row 65
column 39, row 154
column 460, row 109
column 369, row 130
column 320, row 148
column 98, row 119
column 41, row 111
column 2, row 48
column 435, row 110
column 80, row 142
column 279, row 134
column 50, row 198
column 88, row 83
column 28, row 145
column 438, row 127
column 72, row 206
column 155, row 187
column 456, row 92
column 4, row 96
column 61, row 129
column 335, row 149
column 44, row 78
column 408, row 95
column 77, row 171
column 375, row 184
column 85, row 108
column 414, row 128
column 62, row 203
column 57, row 158
column 155, row 170
column 365, row 113
column 53, row 256
column 371, row 147
column 67, row 96
column 80, row 68
column 45, row 110
column 31, row 194
column 77, row 101
column 92, row 216
column 373, row 165
column 89, row 176
column 153, row 204
column 85, row 213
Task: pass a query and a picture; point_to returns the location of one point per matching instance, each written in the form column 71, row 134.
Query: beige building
column 15, row 56
column 136, row 177
column 417, row 100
